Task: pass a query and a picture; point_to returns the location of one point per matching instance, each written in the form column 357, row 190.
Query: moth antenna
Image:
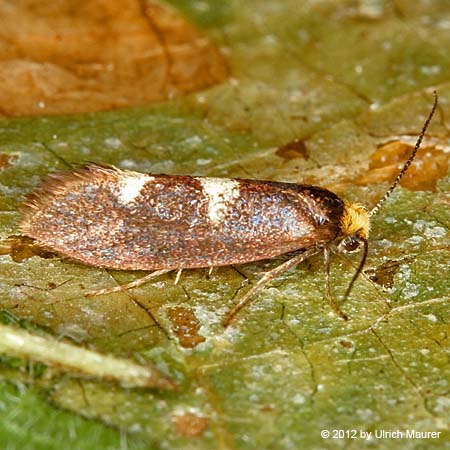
column 388, row 193
column 333, row 304
column 358, row 270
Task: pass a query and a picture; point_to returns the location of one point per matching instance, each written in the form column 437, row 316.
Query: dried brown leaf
column 71, row 57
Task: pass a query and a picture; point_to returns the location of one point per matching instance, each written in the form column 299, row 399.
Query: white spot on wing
column 130, row 186
column 221, row 193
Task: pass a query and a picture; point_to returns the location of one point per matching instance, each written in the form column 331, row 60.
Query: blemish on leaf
column 431, row 165
column 346, row 344
column 185, row 325
column 292, row 150
column 267, row 407
column 189, row 424
column 384, row 275
column 7, row 160
column 21, row 248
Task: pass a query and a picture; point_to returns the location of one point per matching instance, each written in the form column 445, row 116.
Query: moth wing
column 107, row 217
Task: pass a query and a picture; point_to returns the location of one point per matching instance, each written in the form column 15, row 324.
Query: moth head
column 355, row 227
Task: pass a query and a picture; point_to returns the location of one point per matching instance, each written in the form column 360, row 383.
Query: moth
column 106, row 217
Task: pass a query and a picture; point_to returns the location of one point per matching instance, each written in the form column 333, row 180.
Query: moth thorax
column 355, row 221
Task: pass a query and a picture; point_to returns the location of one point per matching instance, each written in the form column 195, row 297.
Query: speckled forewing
column 127, row 220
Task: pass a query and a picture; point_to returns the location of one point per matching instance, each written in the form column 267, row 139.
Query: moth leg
column 178, row 276
column 333, row 304
column 125, row 287
column 267, row 278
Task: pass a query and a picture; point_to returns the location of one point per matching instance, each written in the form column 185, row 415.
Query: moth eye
column 351, row 244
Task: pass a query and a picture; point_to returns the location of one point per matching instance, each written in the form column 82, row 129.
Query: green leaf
column 342, row 77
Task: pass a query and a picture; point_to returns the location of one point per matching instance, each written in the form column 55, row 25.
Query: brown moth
column 118, row 219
